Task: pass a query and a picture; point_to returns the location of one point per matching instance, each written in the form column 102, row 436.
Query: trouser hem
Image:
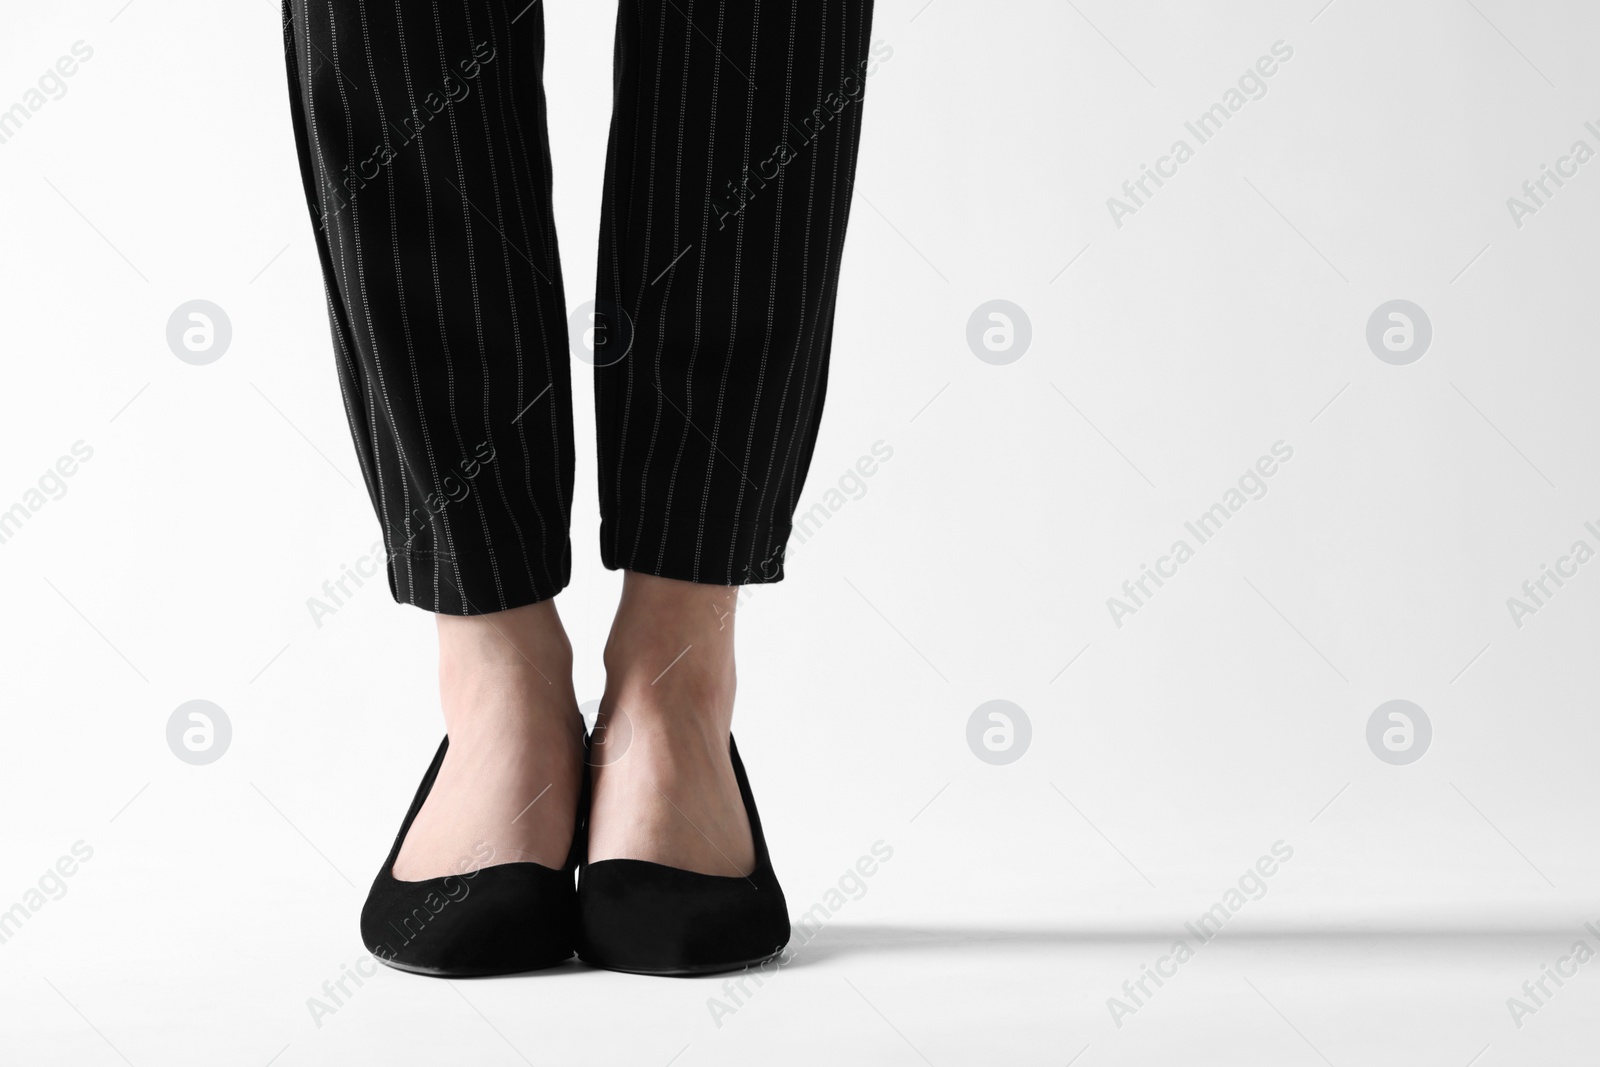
column 455, row 585
column 714, row 566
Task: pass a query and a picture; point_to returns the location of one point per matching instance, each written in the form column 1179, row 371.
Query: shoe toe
column 652, row 919
column 496, row 920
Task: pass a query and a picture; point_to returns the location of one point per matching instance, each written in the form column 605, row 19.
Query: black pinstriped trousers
column 422, row 138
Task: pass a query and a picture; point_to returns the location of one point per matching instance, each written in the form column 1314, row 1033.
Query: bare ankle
column 527, row 638
column 505, row 674
column 663, row 616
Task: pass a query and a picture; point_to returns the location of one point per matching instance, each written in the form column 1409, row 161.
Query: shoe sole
column 462, row 972
column 698, row 971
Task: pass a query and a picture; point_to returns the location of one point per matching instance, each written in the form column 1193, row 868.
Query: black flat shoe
column 500, row 919
column 646, row 918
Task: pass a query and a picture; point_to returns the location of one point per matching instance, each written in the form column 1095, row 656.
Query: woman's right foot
column 480, row 879
column 507, row 791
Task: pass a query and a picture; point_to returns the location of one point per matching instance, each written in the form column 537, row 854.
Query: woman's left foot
column 678, row 879
column 664, row 787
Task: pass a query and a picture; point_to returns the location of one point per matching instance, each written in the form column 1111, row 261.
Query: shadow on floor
column 842, row 939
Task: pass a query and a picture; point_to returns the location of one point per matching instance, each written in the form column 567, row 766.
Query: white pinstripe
column 477, row 319
column 394, row 247
column 416, row 385
column 371, row 468
column 733, row 313
column 356, row 236
column 772, row 308
column 699, row 292
column 644, row 273
column 534, row 175
column 794, row 355
column 820, row 330
column 374, row 476
column 508, row 102
column 555, row 337
column 637, row 505
column 304, row 88
column 617, row 301
column 677, row 206
column 516, row 329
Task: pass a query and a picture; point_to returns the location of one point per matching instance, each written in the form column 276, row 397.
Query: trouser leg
column 422, row 141
column 732, row 153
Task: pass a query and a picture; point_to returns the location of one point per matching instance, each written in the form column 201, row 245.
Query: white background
column 1167, row 354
